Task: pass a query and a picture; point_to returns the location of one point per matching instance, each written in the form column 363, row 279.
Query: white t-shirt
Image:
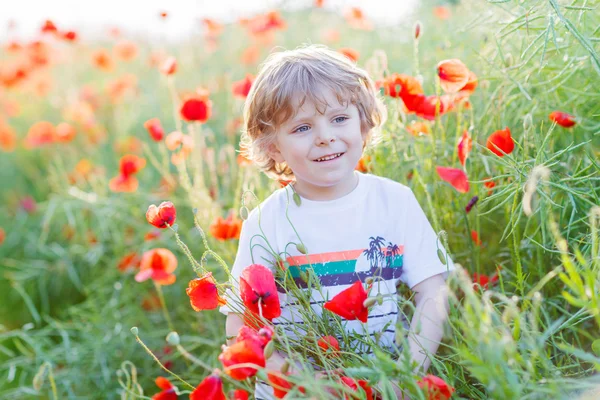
column 377, row 229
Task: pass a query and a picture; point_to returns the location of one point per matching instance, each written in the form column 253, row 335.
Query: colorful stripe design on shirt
column 345, row 267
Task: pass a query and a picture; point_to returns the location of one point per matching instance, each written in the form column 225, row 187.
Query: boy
column 308, row 118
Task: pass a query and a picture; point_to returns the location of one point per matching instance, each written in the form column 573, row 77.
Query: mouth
column 330, row 157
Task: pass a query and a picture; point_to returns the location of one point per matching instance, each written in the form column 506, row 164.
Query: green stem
column 164, row 305
column 161, row 364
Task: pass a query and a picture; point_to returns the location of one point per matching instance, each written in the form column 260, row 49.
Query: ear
column 274, row 153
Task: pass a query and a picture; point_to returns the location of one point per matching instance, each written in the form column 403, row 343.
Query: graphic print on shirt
column 346, row 267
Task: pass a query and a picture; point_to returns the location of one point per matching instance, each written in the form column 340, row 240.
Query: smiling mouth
column 323, row 159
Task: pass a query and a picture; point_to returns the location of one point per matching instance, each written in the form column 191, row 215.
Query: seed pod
column 269, row 349
column 300, row 247
column 173, row 338
column 285, row 367
column 441, row 256
column 379, row 299
column 369, row 280
column 297, row 199
column 244, row 213
column 369, row 302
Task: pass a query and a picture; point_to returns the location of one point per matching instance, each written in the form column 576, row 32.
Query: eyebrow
column 331, row 111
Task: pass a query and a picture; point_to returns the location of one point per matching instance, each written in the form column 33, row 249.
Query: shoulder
column 267, row 210
column 382, row 185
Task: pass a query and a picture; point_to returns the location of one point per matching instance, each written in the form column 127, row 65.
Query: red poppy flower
column 123, row 184
column 429, row 107
column 129, row 261
column 158, row 265
column 357, row 19
column 490, row 185
column 501, row 142
column 8, row 137
column 257, row 289
column 155, row 129
column 211, row 388
column 348, row 304
column 161, row 216
column 350, row 53
column 403, row 86
column 169, row 66
column 49, row 27
column 363, row 164
column 464, row 147
column 64, row 133
column 131, row 164
column 168, row 390
column 182, row 144
column 280, row 384
column 263, row 336
column 355, row 384
column 2, row 235
column 471, row 84
column 204, row 294
column 482, row 281
column 442, row 12
column 329, row 342
column 102, row 60
column 152, row 235
column 418, row 128
column 240, row 394
column 563, row 119
column 242, row 88
column 475, row 238
column 69, row 36
column 228, row 228
column 436, row 388
column 453, row 75
column 39, row 134
column 241, row 352
column 125, row 50
column 196, row 107
column 454, row 176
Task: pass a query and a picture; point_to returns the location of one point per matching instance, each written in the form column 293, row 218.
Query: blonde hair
column 284, row 75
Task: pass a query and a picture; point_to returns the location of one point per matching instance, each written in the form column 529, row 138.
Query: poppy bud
column 285, row 367
column 417, row 29
column 379, row 299
column 134, row 330
column 369, row 302
column 300, row 247
column 297, row 199
column 369, row 280
column 508, row 60
column 441, row 256
column 268, row 352
column 244, row 213
column 173, row 338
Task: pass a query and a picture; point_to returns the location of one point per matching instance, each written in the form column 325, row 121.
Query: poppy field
column 124, row 192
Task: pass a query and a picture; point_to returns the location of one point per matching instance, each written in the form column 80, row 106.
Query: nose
column 324, row 137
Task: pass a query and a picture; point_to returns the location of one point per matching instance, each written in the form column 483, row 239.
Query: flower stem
column 164, row 305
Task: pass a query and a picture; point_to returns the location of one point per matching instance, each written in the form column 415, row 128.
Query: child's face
column 309, row 136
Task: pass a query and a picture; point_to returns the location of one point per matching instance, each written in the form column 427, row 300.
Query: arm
column 427, row 325
column 431, row 296
column 233, row 323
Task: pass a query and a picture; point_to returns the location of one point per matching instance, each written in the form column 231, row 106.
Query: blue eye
column 303, row 126
column 343, row 119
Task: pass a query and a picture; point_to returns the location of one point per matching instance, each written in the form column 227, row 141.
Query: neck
column 326, row 193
